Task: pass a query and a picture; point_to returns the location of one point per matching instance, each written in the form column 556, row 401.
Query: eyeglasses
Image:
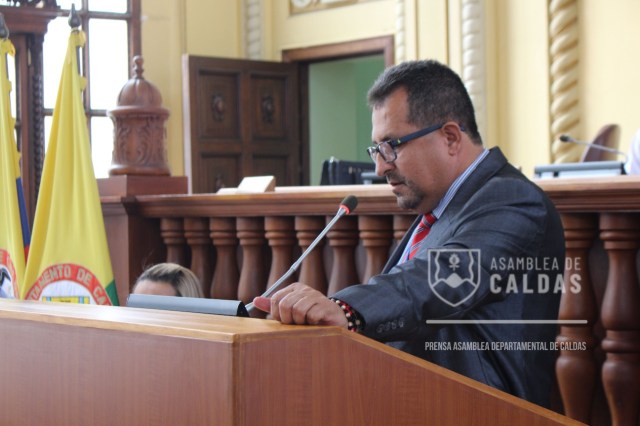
column 387, row 149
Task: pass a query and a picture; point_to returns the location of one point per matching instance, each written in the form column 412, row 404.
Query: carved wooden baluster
column 376, row 233
column 172, row 232
column 343, row 239
column 196, row 230
column 621, row 317
column 312, row 269
column 401, row 222
column 226, row 276
column 282, row 237
column 252, row 273
column 577, row 370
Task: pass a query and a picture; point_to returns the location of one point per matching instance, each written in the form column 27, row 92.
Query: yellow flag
column 14, row 228
column 69, row 257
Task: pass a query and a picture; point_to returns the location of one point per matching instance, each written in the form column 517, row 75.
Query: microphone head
column 565, row 138
column 349, row 203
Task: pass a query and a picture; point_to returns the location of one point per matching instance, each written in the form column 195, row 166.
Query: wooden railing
column 601, row 218
column 239, row 244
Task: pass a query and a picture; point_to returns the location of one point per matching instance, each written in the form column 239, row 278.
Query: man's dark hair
column 436, row 94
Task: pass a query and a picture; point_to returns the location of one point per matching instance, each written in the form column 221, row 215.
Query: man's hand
column 301, row 304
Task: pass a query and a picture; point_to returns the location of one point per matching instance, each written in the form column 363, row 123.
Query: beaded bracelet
column 354, row 322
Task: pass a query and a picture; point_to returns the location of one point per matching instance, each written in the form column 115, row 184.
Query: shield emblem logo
column 454, row 274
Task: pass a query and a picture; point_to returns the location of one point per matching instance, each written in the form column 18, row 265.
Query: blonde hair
column 184, row 282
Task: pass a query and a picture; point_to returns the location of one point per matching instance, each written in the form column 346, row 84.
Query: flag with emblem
column 69, row 256
column 14, row 227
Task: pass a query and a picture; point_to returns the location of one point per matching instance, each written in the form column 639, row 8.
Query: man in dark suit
column 481, row 266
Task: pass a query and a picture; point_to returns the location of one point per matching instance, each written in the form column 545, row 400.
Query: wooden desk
column 96, row 365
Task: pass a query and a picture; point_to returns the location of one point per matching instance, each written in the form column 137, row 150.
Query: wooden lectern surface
column 68, row 364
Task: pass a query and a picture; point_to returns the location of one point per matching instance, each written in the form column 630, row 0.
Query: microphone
column 347, row 206
column 569, row 139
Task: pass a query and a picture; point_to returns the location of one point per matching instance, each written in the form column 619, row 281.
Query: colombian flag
column 69, row 257
column 14, row 228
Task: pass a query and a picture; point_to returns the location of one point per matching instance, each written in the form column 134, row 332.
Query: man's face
column 422, row 171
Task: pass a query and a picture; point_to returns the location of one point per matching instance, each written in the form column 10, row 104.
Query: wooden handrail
column 287, row 201
column 619, row 193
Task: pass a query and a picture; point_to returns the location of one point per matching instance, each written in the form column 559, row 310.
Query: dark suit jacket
column 496, row 253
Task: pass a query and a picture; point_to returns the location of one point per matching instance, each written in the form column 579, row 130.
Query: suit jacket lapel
column 487, row 168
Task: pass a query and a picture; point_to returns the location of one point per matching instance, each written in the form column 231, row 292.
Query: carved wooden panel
column 218, row 171
column 271, row 165
column 218, row 95
column 243, row 120
column 269, row 105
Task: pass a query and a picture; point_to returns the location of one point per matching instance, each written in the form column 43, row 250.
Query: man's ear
column 453, row 134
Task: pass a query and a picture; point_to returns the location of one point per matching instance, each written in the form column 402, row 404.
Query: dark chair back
column 341, row 172
column 608, row 136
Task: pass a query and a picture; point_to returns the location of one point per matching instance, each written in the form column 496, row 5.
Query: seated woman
column 168, row 279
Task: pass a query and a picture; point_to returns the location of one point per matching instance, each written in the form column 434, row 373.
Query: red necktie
column 421, row 233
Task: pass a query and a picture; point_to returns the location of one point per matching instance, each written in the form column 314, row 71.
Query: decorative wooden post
column 281, row 235
column 312, row 270
column 172, row 232
column 252, row 241
column 376, row 235
column 140, row 146
column 196, row 232
column 401, row 222
column 343, row 239
column 226, row 276
column 621, row 317
column 576, row 369
column 139, row 167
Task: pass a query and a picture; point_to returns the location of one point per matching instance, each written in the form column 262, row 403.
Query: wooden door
column 242, row 118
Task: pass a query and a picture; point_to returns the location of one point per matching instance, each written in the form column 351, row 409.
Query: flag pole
column 14, row 228
column 74, row 23
column 4, row 34
column 4, row 31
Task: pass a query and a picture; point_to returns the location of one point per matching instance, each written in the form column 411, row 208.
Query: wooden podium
column 65, row 364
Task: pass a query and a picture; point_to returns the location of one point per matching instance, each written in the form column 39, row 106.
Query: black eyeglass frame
column 394, row 143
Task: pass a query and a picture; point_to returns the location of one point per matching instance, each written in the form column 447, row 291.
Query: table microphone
column 347, row 206
column 569, row 139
